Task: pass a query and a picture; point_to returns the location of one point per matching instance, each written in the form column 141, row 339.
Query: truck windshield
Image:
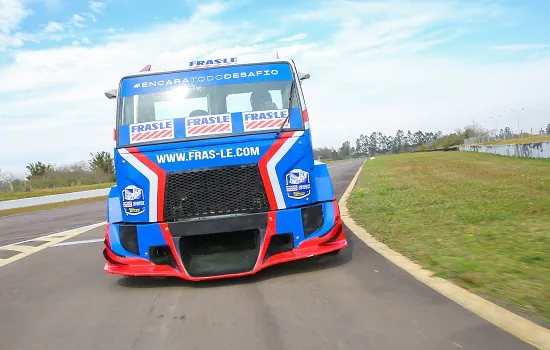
column 207, row 102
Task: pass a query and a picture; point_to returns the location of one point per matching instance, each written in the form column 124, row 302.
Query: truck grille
column 214, row 191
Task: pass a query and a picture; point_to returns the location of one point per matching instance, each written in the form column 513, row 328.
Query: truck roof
column 209, row 62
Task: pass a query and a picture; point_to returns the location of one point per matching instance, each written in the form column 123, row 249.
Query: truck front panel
column 206, row 187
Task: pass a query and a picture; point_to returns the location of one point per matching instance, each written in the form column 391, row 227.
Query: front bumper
column 306, row 242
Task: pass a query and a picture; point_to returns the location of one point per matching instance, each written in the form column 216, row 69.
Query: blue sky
column 375, row 65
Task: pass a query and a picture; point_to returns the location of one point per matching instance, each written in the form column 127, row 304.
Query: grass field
column 479, row 220
column 516, row 141
column 4, row 196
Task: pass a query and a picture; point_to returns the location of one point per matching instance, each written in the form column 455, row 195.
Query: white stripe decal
column 153, row 182
column 306, row 125
column 273, row 163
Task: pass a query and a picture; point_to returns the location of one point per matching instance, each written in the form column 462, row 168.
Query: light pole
column 517, row 112
column 496, row 124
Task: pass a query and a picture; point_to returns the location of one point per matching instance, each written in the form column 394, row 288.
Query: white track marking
column 78, row 242
column 49, row 240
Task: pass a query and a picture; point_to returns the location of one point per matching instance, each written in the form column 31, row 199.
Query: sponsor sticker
column 208, row 125
column 265, row 120
column 298, row 185
column 132, row 200
column 213, row 62
column 152, row 131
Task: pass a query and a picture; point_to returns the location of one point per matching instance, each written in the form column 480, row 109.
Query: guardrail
column 55, row 198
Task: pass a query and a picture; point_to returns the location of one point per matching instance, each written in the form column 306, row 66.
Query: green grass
column 479, row 220
column 4, row 196
column 516, row 141
column 34, row 208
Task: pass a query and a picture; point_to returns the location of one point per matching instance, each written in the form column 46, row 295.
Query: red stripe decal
column 305, row 116
column 151, row 135
column 252, row 125
column 170, row 241
column 263, row 168
column 270, row 231
column 161, row 174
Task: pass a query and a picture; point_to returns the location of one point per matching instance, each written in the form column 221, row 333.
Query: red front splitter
column 333, row 240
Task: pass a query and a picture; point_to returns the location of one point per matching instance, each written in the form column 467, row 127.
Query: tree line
column 100, row 168
column 378, row 143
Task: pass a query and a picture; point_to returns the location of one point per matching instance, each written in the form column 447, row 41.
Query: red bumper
column 333, row 240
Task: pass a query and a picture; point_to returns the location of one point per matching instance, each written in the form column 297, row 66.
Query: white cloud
column 296, row 37
column 96, row 6
column 86, row 41
column 91, row 17
column 206, row 10
column 53, row 27
column 17, row 42
column 519, row 47
column 77, row 21
column 365, row 76
column 12, row 12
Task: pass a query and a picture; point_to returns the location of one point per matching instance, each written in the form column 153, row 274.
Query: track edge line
column 514, row 324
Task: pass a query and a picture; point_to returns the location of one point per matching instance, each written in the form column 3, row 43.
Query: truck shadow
column 293, row 268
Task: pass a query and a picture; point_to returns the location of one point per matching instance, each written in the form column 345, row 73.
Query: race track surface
column 59, row 298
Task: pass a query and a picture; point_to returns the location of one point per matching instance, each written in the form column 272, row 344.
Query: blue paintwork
column 114, row 210
column 323, row 184
column 149, row 235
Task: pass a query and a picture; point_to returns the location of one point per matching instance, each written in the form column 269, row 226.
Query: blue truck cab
column 215, row 172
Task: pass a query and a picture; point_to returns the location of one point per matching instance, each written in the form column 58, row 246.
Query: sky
column 430, row 65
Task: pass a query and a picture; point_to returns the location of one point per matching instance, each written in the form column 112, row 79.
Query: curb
column 516, row 325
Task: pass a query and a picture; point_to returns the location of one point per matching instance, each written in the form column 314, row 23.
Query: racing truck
column 215, row 172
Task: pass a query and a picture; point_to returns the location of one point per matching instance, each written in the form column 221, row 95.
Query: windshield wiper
column 289, row 107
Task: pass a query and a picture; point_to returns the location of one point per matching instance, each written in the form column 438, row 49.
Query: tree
column 102, row 162
column 419, row 138
column 373, row 144
column 399, row 141
column 508, row 132
column 548, row 129
column 38, row 169
column 325, row 153
column 345, row 150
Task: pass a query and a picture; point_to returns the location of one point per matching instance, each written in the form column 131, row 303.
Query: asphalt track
column 59, row 298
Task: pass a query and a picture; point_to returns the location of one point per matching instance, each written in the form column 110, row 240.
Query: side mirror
column 303, row 76
column 111, row 94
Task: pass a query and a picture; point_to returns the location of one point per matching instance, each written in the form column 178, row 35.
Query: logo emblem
column 298, row 184
column 132, row 200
